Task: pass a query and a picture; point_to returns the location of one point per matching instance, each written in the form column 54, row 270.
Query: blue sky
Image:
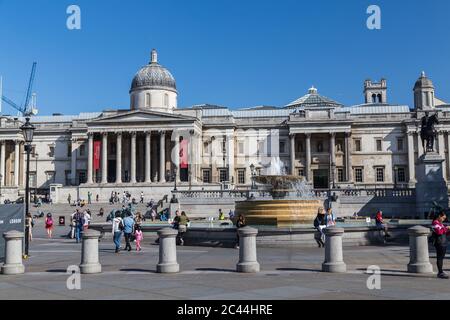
column 232, row 53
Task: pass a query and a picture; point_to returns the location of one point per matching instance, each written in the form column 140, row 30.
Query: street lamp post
column 27, row 131
column 252, row 170
column 333, row 174
column 175, row 170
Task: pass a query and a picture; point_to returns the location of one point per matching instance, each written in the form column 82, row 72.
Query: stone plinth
column 167, row 251
column 89, row 253
column 247, row 250
column 431, row 186
column 13, row 253
column 419, row 259
column 334, row 260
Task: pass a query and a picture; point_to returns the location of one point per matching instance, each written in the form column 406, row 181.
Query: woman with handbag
column 439, row 238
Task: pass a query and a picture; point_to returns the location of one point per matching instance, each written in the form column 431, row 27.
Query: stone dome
column 423, row 82
column 153, row 76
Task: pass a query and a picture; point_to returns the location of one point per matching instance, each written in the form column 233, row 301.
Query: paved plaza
column 208, row 273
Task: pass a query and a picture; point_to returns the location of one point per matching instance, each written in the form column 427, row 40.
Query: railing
column 212, row 194
column 379, row 193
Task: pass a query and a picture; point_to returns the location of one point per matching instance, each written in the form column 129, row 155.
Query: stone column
column 2, row 162
column 292, row 140
column 105, row 158
column 73, row 162
column 192, row 158
column 230, row 157
column 448, row 153
column 133, row 158
column 247, row 250
column 334, row 261
column 167, row 251
column 16, row 162
column 13, row 253
column 90, row 158
column 89, row 252
column 441, row 143
column 419, row 259
column 333, row 175
column 348, row 157
column 162, row 156
column 148, row 157
column 411, row 159
column 308, row 157
column 119, row 157
column 176, row 154
column 419, row 145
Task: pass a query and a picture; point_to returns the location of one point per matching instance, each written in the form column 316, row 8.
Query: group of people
column 125, row 198
column 321, row 222
column 79, row 221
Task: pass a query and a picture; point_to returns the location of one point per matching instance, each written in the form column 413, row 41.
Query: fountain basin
column 280, row 213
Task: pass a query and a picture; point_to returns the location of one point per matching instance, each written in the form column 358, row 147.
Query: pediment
column 138, row 116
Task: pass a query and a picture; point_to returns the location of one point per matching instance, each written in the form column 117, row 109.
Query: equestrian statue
column 428, row 132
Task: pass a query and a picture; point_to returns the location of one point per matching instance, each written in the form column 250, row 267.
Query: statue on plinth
column 428, row 132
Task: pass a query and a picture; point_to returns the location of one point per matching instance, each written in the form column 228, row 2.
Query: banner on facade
column 11, row 218
column 97, row 151
column 184, row 154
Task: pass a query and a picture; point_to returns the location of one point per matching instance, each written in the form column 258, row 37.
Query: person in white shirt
column 87, row 220
column 117, row 228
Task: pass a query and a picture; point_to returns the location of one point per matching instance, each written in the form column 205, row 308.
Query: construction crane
column 28, row 109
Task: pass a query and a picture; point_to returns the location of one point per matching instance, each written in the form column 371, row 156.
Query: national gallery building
column 205, row 147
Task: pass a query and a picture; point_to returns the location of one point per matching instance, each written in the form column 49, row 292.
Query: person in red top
column 380, row 223
column 439, row 238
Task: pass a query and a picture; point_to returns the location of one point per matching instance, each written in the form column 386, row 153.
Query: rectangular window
column 378, row 145
column 282, row 147
column 399, row 144
column 223, row 176
column 241, row 147
column 241, row 176
column 69, row 150
column 82, row 177
column 339, row 144
column 82, row 150
column 206, row 176
column 301, row 172
column 33, row 180
column 357, row 144
column 340, row 175
column 68, row 177
column 379, row 174
column 401, row 175
column 224, row 146
column 51, row 152
column 50, row 176
column 206, row 148
column 260, row 147
column 359, row 175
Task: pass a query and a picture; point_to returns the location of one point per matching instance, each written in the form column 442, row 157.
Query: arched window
column 380, row 98
column 166, row 100
column 374, row 98
column 148, row 98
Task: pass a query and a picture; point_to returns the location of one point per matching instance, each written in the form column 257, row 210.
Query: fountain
column 286, row 200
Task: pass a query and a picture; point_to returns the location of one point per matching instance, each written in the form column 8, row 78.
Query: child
column 49, row 224
column 139, row 236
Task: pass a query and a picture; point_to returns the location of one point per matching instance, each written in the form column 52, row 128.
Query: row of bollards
column 334, row 262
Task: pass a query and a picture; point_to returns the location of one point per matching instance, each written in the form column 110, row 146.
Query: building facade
column 153, row 142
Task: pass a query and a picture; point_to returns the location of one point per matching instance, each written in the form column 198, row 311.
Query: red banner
column 184, row 154
column 97, row 151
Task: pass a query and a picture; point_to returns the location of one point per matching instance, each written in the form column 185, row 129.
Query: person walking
column 79, row 222
column 183, row 221
column 49, row 225
column 142, row 197
column 86, row 219
column 89, row 197
column 73, row 224
column 97, row 197
column 439, row 239
column 29, row 224
column 138, row 236
column 117, row 229
column 319, row 225
column 69, row 199
column 128, row 224
column 240, row 223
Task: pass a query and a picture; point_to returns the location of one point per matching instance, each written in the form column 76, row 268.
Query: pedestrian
column 139, row 218
column 231, row 214
column 73, row 224
column 97, row 197
column 183, row 222
column 128, row 224
column 381, row 226
column 319, row 225
column 29, row 224
column 142, row 197
column 79, row 222
column 86, row 219
column 153, row 214
column 176, row 220
column 89, row 197
column 330, row 219
column 69, row 199
column 101, row 213
column 117, row 229
column 439, row 239
column 240, row 223
column 138, row 236
column 221, row 215
column 49, row 225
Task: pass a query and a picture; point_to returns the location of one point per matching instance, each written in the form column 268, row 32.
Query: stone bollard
column 167, row 251
column 419, row 259
column 13, row 253
column 334, row 261
column 89, row 252
column 247, row 250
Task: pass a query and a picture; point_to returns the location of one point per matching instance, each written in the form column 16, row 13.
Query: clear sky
column 232, row 53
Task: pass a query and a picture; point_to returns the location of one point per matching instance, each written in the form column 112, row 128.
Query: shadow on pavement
column 215, row 269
